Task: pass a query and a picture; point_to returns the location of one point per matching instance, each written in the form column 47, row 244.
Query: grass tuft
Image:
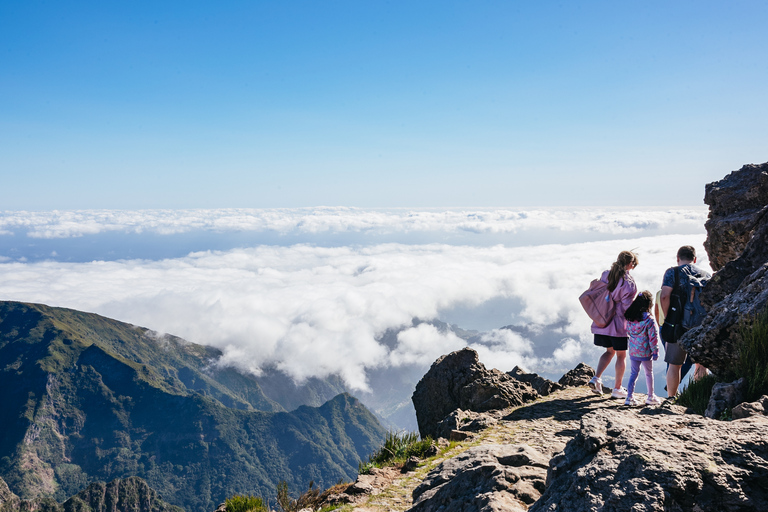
column 752, row 363
column 696, row 394
column 240, row 503
column 397, row 448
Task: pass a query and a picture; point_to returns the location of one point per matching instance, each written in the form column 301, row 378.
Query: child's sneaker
column 619, row 393
column 653, row 400
column 596, row 385
column 631, row 401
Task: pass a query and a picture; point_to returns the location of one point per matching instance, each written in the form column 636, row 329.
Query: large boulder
column 737, row 245
column 485, row 478
column 460, row 381
column 660, row 460
column 579, row 376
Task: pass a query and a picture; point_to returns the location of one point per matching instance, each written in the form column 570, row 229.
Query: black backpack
column 685, row 309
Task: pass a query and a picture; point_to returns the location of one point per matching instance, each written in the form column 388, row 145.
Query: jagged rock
column 579, row 376
column 747, row 409
column 715, row 342
column 484, row 478
column 736, row 206
column 411, row 464
column 8, row 500
column 737, row 245
column 542, row 386
column 126, row 495
column 660, row 460
column 458, row 435
column 725, row 395
column 460, row 381
column 467, row 421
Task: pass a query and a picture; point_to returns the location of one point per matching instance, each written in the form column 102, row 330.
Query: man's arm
column 666, row 292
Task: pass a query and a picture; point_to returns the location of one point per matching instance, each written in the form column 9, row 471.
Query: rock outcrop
column 484, row 478
column 120, row 495
column 737, row 245
column 736, row 210
column 579, row 376
column 747, row 409
column 460, row 381
column 542, row 386
column 660, row 460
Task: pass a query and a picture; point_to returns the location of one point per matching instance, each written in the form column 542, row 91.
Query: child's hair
column 641, row 304
column 618, row 269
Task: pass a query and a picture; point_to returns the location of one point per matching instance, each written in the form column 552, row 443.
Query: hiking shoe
column 653, row 400
column 619, row 393
column 596, row 385
column 631, row 401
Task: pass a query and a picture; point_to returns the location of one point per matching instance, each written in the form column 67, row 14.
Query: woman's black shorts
column 614, row 342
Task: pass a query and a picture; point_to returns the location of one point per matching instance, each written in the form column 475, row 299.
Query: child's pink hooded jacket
column 623, row 296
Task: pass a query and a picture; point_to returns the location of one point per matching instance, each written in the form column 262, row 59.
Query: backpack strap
column 676, row 285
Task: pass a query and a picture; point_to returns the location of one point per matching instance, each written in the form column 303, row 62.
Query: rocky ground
column 545, row 425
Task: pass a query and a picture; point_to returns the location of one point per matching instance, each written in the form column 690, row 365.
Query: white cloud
column 317, row 221
column 315, row 311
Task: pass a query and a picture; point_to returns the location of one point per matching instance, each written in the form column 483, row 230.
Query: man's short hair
column 686, row 253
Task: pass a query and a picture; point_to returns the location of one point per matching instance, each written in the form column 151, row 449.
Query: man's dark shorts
column 674, row 353
column 614, row 342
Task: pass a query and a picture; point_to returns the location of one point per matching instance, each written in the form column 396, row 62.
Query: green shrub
column 752, row 363
column 696, row 393
column 240, row 503
column 397, row 448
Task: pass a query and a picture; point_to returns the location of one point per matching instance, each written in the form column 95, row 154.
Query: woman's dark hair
column 619, row 268
column 641, row 304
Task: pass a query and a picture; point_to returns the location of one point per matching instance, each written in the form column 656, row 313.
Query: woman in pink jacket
column 613, row 337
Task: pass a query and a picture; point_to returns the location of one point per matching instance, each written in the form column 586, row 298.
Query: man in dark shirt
column 675, row 355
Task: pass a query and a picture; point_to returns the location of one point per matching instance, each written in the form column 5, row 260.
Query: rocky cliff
column 737, row 245
column 127, row 495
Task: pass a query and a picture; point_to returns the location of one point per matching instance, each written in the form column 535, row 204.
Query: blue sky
column 377, row 104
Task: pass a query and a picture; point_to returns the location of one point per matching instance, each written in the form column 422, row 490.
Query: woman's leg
column 621, row 365
column 603, row 362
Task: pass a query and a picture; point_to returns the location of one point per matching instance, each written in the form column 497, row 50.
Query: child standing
column 643, row 346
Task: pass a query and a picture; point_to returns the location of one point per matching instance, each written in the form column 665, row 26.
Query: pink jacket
column 623, row 296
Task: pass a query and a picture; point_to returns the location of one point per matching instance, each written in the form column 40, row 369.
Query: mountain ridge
column 89, row 398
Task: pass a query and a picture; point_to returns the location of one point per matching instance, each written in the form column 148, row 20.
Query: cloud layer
column 318, row 221
column 316, row 311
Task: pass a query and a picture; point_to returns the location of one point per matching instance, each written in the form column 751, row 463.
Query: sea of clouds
column 312, row 291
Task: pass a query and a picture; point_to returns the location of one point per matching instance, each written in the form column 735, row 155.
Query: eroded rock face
column 126, row 495
column 660, row 460
column 737, row 245
column 460, row 381
column 715, row 342
column 484, row 478
column 735, row 206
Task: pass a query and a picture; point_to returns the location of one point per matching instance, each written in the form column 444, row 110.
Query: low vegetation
column 240, row 503
column 696, row 394
column 751, row 364
column 397, row 448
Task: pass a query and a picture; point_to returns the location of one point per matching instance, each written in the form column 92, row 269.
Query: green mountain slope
column 86, row 398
